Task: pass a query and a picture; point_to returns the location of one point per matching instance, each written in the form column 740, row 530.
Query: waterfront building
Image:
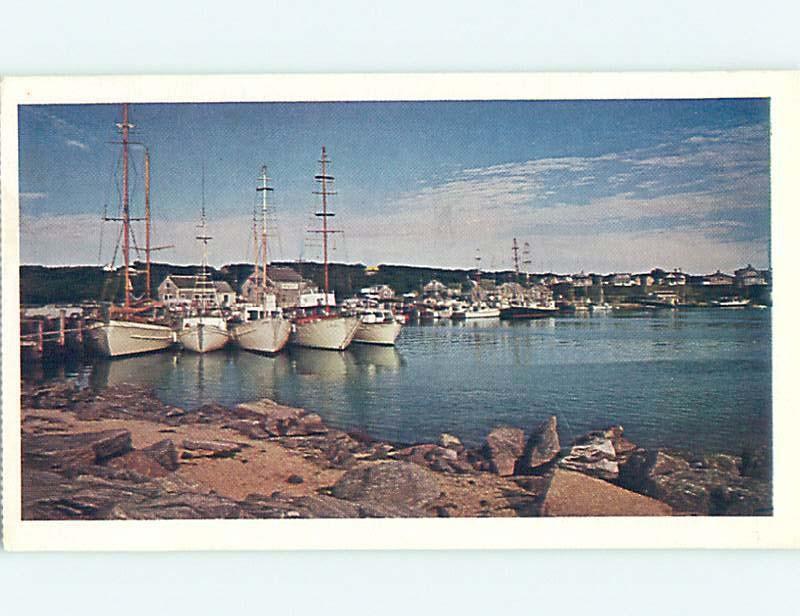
column 750, row 276
column 718, row 279
column 175, row 290
column 379, row 292
column 287, row 285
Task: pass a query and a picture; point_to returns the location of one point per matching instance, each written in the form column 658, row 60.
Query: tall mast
column 147, row 220
column 263, row 189
column 126, row 214
column 515, row 250
column 255, row 250
column 203, row 237
column 478, row 267
column 526, row 260
column 325, row 180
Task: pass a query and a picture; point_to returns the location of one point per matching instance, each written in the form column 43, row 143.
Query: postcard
column 399, row 311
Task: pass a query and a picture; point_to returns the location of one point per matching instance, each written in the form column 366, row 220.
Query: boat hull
column 203, row 338
column 267, row 336
column 332, row 333
column 120, row 338
column 383, row 334
column 491, row 313
column 525, row 312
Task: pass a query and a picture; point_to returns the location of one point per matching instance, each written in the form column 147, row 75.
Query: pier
column 48, row 337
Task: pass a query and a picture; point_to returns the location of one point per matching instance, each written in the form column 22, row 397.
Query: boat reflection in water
column 232, row 376
column 376, row 358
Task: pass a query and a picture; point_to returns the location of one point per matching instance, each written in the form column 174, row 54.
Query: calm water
column 695, row 379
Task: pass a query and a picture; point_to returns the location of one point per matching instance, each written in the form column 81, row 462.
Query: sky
column 594, row 186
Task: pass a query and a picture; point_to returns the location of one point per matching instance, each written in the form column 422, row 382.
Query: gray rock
column 594, row 455
column 504, row 446
column 542, row 447
column 706, row 485
column 402, row 485
column 448, row 441
column 63, row 451
column 210, row 449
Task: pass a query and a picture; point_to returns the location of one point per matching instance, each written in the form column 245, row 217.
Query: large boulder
column 157, row 460
column 577, row 494
column 280, row 420
column 435, row 457
column 391, row 486
column 542, row 447
column 699, row 485
column 504, row 446
column 64, row 451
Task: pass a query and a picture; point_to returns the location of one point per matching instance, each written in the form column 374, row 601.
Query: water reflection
column 695, row 379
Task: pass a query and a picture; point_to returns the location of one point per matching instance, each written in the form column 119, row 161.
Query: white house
column 185, row 290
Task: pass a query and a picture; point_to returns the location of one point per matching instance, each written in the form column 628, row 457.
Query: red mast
column 324, row 179
column 126, row 214
column 147, row 220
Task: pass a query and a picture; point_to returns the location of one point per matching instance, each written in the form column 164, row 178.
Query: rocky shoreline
column 122, row 454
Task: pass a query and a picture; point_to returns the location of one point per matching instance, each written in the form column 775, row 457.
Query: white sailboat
column 206, row 330
column 132, row 328
column 323, row 327
column 263, row 329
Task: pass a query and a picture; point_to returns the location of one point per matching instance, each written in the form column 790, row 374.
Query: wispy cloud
column 32, row 196
column 76, row 144
column 708, row 187
column 71, row 135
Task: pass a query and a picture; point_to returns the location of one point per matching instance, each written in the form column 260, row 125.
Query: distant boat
column 264, row 328
column 377, row 327
column 528, row 311
column 481, row 311
column 133, row 327
column 731, row 302
column 323, row 327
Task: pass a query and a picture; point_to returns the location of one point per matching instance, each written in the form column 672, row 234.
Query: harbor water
column 692, row 379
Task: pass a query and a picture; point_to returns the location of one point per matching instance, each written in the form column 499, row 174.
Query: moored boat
column 117, row 337
column 262, row 331
column 481, row 311
column 203, row 334
column 731, row 302
column 263, row 328
column 205, row 330
column 323, row 327
column 528, row 311
column 377, row 327
column 132, row 328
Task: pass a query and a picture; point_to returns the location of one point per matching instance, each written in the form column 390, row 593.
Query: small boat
column 481, row 311
column 377, row 327
column 262, row 327
column 731, row 302
column 528, row 311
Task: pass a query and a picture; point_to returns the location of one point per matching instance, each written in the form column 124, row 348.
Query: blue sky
column 591, row 185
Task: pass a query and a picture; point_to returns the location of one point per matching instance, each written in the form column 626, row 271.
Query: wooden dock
column 44, row 338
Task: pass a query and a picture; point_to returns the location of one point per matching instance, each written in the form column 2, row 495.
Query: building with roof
column 175, row 290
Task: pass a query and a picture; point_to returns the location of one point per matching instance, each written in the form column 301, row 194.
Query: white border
column 779, row 531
